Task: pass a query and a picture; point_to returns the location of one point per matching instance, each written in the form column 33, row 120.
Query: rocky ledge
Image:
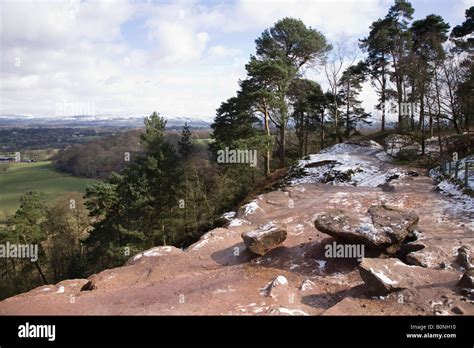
column 271, row 257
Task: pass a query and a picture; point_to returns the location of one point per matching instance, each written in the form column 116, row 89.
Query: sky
column 179, row 58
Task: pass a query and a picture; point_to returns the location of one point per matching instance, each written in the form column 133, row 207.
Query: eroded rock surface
column 219, row 274
column 383, row 276
column 381, row 228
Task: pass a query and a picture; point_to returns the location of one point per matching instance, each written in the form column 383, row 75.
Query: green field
column 39, row 176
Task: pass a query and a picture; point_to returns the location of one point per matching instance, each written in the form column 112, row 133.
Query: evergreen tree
column 305, row 97
column 24, row 227
column 185, row 144
column 398, row 18
column 350, row 87
column 289, row 45
column 134, row 210
column 378, row 48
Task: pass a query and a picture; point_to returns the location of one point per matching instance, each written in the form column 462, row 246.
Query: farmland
column 38, row 176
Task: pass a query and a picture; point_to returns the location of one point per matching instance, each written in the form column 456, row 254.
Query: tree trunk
column 422, row 121
column 305, row 139
column 412, row 114
column 431, row 124
column 440, row 142
column 268, row 151
column 282, row 145
column 384, row 86
column 400, row 101
column 322, row 130
column 348, row 128
column 43, row 278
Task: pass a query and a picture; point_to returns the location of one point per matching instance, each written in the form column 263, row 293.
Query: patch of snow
column 345, row 160
column 251, row 208
column 152, row 252
column 321, row 264
column 280, row 280
column 460, row 202
column 229, row 215
column 206, row 239
column 267, row 228
column 307, row 285
column 238, row 222
column 381, row 276
column 291, row 311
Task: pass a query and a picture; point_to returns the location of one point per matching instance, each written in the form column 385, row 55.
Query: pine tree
column 378, row 48
column 185, row 144
column 135, row 210
column 350, row 87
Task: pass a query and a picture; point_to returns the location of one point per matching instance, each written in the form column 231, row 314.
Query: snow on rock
column 383, row 276
column 449, row 186
column 238, row 222
column 277, row 282
column 208, row 238
column 306, row 285
column 265, row 238
column 381, row 228
column 250, row 208
column 345, row 164
column 153, row 252
column 229, row 215
column 321, row 264
column 286, row 311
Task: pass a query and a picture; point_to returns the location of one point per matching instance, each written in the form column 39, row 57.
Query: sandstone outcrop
column 380, row 228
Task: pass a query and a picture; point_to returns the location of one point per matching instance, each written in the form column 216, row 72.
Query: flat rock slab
column 383, row 276
column 380, row 228
column 262, row 240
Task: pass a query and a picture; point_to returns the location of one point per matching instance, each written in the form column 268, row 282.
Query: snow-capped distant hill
column 132, row 121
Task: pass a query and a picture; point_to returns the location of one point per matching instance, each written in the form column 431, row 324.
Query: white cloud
column 176, row 43
column 220, row 51
column 74, row 51
column 56, row 22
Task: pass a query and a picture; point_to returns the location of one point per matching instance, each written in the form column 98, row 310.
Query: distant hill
column 131, row 121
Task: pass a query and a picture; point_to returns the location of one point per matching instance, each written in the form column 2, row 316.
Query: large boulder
column 383, row 276
column 379, row 229
column 265, row 238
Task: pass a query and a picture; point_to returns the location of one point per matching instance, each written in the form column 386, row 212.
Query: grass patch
column 39, row 176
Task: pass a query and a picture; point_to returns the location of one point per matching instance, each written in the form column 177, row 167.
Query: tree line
column 165, row 195
column 416, row 66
